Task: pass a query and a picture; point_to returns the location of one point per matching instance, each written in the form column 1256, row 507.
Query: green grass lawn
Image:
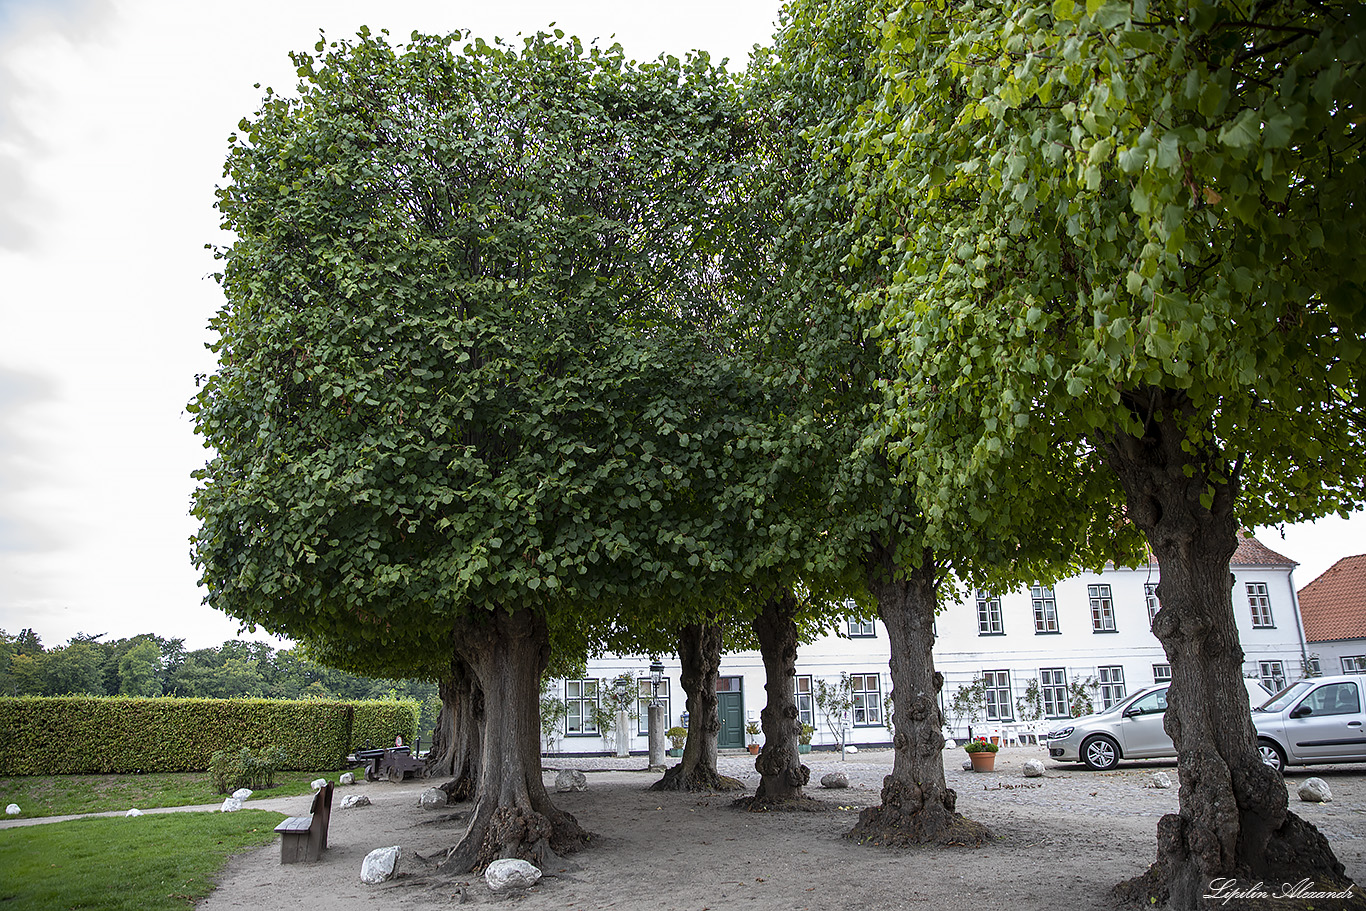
column 144, row 863
column 62, row 795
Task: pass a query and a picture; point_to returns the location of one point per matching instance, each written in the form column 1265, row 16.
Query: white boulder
column 231, row 805
column 571, row 780
column 354, row 800
column 835, row 780
column 432, row 799
column 319, row 784
column 1032, row 768
column 1161, row 780
column 967, row 765
column 1315, row 790
column 13, row 810
column 380, row 865
column 851, row 749
column 133, row 812
column 510, row 874
column 347, row 778
column 242, row 793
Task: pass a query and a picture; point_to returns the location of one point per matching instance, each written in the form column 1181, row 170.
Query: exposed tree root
column 458, row 789
column 1297, row 861
column 799, row 804
column 910, row 816
column 702, row 779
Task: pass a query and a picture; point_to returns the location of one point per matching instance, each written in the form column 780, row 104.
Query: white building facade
column 1023, row 659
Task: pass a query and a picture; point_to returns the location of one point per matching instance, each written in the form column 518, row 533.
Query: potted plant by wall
column 752, row 729
column 804, row 739
column 983, row 755
column 676, row 736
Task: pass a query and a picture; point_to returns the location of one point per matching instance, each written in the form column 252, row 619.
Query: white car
column 1129, row 729
column 1314, row 721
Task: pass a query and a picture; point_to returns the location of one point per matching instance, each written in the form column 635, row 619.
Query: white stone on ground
column 851, row 749
column 967, row 765
column 319, row 784
column 835, row 780
column 13, row 810
column 347, row 778
column 571, row 780
column 133, row 812
column 1315, row 790
column 380, row 864
column 231, row 805
column 1161, row 780
column 354, row 800
column 1032, row 768
column 432, row 799
column 242, row 793
column 510, row 874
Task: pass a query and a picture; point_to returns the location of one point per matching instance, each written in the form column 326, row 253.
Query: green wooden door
column 730, row 706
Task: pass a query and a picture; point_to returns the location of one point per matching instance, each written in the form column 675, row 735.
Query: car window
column 1334, row 699
column 1285, row 697
column 1151, row 704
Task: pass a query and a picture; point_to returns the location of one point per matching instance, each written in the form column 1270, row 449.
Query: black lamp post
column 656, row 677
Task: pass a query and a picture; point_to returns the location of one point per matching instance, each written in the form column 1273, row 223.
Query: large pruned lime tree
column 1137, row 228
column 459, row 393
column 811, row 84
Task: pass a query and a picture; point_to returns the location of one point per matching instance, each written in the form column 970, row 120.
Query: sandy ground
column 1062, row 841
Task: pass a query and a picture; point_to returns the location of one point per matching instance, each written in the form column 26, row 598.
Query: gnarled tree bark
column 512, row 814
column 458, row 737
column 1233, row 821
column 779, row 764
column 699, row 654
column 918, row 806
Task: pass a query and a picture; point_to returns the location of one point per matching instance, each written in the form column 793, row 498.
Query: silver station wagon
column 1129, row 729
column 1314, row 721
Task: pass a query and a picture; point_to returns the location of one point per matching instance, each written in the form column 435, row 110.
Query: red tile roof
column 1334, row 605
column 1252, row 552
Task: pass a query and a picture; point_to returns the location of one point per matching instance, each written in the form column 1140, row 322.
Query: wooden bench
column 303, row 838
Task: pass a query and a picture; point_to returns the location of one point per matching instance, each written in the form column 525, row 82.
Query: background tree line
column 150, row 665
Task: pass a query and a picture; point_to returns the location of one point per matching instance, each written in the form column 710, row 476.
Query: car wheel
column 1272, row 754
column 1100, row 753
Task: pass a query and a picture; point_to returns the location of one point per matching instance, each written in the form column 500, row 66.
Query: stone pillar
column 623, row 734
column 656, row 728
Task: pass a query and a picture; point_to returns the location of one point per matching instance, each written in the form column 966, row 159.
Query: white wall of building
column 963, row 652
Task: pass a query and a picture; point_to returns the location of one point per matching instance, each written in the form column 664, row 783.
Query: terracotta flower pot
column 754, row 748
column 983, row 761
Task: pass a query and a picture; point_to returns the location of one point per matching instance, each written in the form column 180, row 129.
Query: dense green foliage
column 164, row 862
column 1078, row 204
column 245, row 769
column 73, row 734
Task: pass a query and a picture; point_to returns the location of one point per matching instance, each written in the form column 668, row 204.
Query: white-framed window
column 1150, row 596
column 1102, row 609
column 1045, row 609
column 867, row 693
column 862, row 629
column 1053, row 686
column 999, row 704
column 644, row 696
column 1260, row 603
column 580, row 699
column 1162, row 673
column 1111, row 684
column 1272, row 674
column 989, row 622
column 806, row 702
column 1354, row 665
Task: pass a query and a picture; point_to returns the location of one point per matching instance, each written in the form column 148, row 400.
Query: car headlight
column 1058, row 735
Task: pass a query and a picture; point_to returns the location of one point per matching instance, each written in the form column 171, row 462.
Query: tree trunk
column 512, row 814
column 699, row 654
column 458, row 737
column 1233, row 821
column 781, row 773
column 917, row 803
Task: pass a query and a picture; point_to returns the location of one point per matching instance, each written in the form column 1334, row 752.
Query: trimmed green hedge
column 70, row 735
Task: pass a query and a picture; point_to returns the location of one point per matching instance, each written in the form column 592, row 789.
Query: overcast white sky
column 114, row 116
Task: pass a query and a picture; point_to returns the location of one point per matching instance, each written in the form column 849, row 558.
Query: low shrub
column 245, row 769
